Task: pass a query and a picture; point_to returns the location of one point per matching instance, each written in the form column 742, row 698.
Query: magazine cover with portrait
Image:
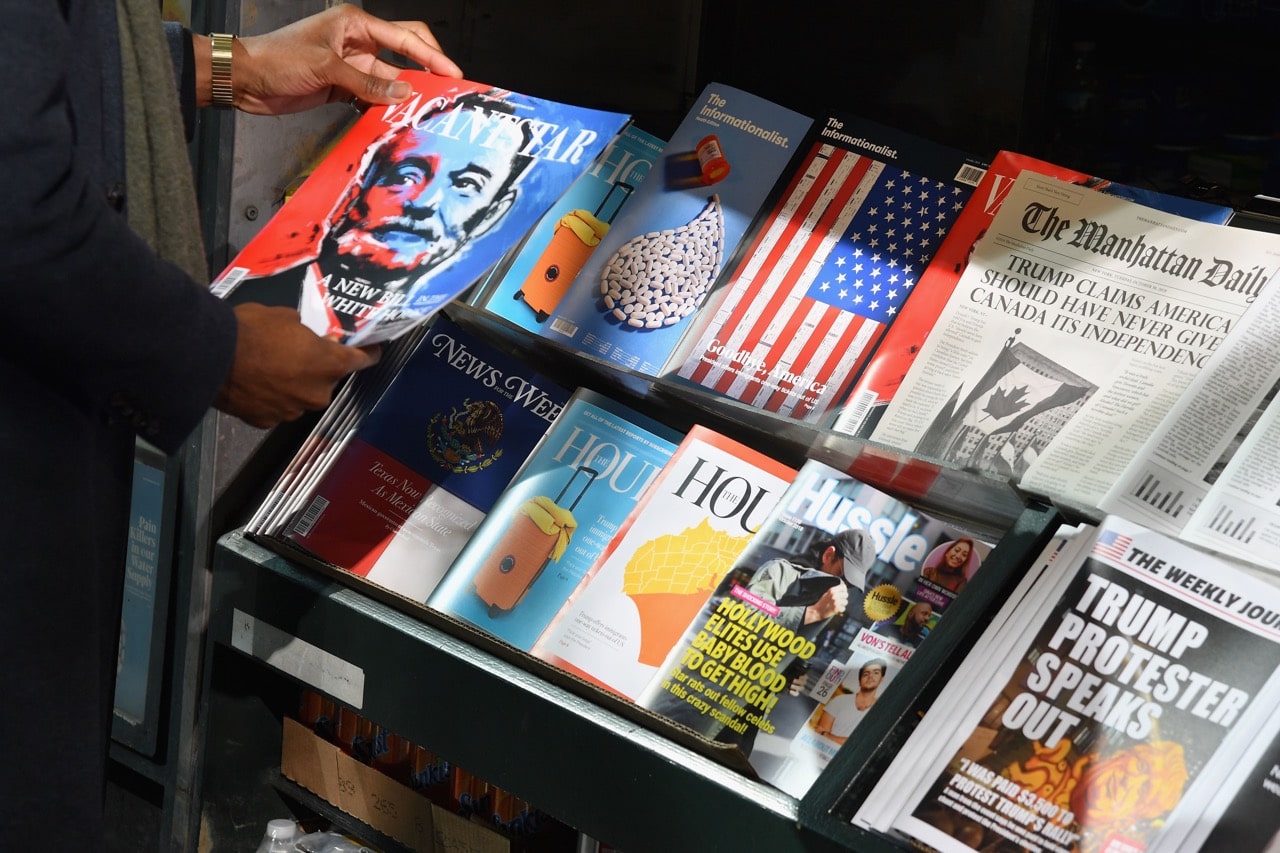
column 825, row 605
column 414, row 204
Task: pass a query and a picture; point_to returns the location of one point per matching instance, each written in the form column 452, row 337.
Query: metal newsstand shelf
column 591, row 768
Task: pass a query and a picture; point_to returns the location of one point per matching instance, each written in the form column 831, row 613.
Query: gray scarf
column 158, row 183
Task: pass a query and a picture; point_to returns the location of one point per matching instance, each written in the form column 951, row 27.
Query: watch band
column 221, row 56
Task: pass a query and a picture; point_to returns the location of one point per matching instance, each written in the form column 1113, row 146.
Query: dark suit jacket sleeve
column 182, row 54
column 88, row 308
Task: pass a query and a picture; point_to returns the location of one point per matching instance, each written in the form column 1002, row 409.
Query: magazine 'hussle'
column 414, row 203
column 821, row 610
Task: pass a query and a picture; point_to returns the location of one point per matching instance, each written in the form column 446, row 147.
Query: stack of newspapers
column 1125, row 697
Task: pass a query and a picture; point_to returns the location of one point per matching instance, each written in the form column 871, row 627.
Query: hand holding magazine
column 414, row 204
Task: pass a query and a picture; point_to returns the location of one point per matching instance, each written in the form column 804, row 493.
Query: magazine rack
column 275, row 624
column 286, row 617
column 510, row 721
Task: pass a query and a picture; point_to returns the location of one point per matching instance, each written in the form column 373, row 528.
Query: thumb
column 371, row 354
column 376, row 90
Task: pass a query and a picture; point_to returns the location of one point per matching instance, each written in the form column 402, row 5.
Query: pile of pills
column 659, row 278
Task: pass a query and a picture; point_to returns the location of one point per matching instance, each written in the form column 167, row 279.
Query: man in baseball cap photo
column 858, row 554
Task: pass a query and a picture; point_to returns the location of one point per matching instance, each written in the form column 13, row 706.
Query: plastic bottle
column 711, row 160
column 279, row 837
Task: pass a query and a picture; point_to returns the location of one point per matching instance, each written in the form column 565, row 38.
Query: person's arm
column 327, row 57
column 183, row 56
column 280, row 368
column 90, row 310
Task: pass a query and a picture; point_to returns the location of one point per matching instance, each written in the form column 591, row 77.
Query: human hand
column 327, row 57
column 282, row 369
column 833, row 602
column 798, row 684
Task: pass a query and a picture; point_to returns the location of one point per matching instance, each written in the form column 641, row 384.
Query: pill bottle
column 711, row 160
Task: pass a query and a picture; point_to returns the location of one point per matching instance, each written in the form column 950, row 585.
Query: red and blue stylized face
column 429, row 190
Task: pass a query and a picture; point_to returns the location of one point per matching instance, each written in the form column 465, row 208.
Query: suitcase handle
column 581, row 469
column 618, row 185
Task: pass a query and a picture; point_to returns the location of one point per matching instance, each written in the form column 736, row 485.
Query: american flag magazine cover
column 831, row 260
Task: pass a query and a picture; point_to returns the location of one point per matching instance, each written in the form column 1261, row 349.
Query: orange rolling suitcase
column 537, row 534
column 575, row 236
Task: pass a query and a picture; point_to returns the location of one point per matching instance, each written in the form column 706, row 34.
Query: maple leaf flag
column 993, row 427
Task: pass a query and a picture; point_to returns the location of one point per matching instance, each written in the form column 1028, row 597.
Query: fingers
column 360, row 358
column 282, row 369
column 372, row 355
column 411, row 39
column 377, row 83
column 417, row 42
column 329, row 57
column 422, row 31
column 370, row 88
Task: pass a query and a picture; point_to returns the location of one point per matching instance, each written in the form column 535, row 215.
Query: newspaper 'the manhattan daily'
column 1078, row 321
column 1208, row 473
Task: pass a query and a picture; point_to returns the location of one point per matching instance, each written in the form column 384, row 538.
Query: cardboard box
column 378, row 800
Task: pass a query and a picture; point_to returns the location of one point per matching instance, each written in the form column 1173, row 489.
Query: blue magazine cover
column 562, row 508
column 526, row 289
column 634, row 298
column 428, row 461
